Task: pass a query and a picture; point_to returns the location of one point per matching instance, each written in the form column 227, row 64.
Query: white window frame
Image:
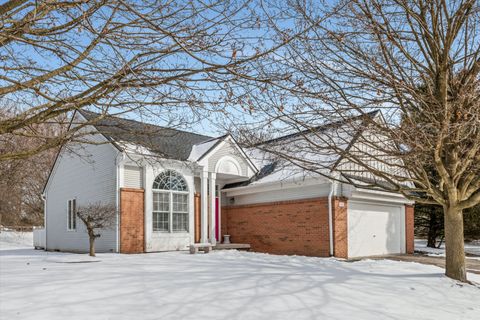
column 170, row 207
column 159, row 191
column 179, row 212
column 71, row 214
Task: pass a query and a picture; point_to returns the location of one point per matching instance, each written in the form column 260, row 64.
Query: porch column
column 204, row 206
column 212, row 177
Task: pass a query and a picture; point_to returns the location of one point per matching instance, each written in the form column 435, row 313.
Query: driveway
column 473, row 264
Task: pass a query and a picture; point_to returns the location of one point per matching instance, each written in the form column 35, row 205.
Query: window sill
column 168, row 232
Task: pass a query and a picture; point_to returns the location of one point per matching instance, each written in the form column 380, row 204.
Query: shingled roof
column 165, row 142
column 278, row 169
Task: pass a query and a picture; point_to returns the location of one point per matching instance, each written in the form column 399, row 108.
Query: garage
column 375, row 229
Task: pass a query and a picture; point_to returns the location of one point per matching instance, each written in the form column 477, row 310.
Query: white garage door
column 375, row 229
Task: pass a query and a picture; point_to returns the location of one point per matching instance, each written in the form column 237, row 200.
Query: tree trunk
column 432, row 239
column 432, row 229
column 454, row 248
column 92, row 245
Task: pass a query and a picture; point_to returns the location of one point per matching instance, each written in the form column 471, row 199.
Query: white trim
column 170, row 205
column 117, row 206
column 274, row 185
column 204, row 206
column 378, row 196
column 74, row 215
column 212, row 196
column 209, row 153
column 231, row 159
column 330, row 217
column 44, row 198
column 220, row 240
column 118, row 183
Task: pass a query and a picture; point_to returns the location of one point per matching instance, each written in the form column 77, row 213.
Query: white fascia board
column 377, row 195
column 272, row 186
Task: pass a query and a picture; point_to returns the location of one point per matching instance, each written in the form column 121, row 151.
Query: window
column 170, row 203
column 71, row 214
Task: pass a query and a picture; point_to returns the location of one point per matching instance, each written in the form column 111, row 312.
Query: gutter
column 330, row 216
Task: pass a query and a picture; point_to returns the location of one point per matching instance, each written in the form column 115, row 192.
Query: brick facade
column 409, row 229
column 132, row 220
column 197, row 219
column 340, row 227
column 289, row 227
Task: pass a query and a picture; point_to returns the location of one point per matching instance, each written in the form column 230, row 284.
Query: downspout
column 330, row 215
column 117, row 202
column 44, row 198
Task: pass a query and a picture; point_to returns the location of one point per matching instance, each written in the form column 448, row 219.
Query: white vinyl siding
column 133, row 177
column 88, row 175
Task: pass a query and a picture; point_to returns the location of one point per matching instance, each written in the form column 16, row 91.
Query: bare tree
column 168, row 61
column 96, row 217
column 22, row 180
column 416, row 61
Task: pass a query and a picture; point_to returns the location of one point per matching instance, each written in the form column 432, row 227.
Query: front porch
column 208, row 210
column 218, row 163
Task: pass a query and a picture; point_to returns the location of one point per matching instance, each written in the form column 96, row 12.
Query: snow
column 302, row 156
column 199, row 149
column 224, row 285
column 12, row 239
column 471, row 248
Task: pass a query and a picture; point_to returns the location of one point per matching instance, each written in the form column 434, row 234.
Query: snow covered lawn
column 225, row 285
column 12, row 239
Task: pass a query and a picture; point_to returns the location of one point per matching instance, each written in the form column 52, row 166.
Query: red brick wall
column 340, row 227
column 288, row 227
column 197, row 207
column 132, row 220
column 409, row 229
column 223, row 222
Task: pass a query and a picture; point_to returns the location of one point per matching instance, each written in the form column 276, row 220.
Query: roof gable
column 207, row 153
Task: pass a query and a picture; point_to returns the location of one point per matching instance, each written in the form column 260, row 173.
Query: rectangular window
column 180, row 212
column 72, row 214
column 170, row 211
column 161, row 211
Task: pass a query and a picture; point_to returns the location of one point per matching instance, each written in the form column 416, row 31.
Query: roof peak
column 87, row 113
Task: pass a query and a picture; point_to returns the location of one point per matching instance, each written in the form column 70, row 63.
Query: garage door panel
column 374, row 229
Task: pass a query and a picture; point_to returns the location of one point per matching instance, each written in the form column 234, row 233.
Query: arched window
column 170, row 202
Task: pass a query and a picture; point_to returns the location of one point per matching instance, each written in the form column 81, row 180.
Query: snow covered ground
column 472, row 248
column 224, row 285
column 11, row 239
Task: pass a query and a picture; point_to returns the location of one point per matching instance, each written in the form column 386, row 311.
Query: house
column 173, row 188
